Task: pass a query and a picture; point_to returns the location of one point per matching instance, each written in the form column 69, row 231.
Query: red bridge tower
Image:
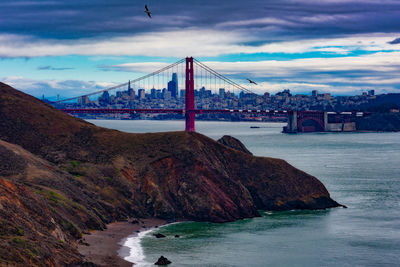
column 189, row 96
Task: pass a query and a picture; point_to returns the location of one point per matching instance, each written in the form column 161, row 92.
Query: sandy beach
column 104, row 247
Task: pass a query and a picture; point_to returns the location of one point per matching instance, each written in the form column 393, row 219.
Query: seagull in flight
column 250, row 81
column 147, row 11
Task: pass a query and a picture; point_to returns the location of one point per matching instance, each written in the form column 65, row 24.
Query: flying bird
column 250, row 81
column 147, row 11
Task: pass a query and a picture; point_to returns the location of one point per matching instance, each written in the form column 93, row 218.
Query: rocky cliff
column 234, row 143
column 61, row 176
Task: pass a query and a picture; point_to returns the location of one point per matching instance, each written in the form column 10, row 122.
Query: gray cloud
column 395, row 41
column 270, row 20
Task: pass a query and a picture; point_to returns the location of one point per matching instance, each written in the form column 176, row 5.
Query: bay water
column 360, row 170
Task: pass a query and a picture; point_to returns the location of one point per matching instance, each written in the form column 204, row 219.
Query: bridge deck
column 177, row 111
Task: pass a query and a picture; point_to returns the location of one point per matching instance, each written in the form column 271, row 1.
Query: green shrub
column 19, row 231
column 71, row 228
column 55, row 197
column 19, row 241
column 75, row 163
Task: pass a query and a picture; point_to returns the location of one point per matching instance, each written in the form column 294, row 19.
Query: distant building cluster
column 173, row 98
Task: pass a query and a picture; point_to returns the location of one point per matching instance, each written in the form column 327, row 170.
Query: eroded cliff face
column 38, row 223
column 82, row 176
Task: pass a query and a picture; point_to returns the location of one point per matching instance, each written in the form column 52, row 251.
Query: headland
column 63, row 177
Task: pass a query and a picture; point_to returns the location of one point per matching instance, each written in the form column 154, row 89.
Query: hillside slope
column 42, row 210
column 109, row 175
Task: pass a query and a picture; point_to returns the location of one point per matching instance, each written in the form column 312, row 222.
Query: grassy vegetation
column 75, row 163
column 19, row 231
column 71, row 228
column 19, row 241
column 32, row 252
column 55, row 197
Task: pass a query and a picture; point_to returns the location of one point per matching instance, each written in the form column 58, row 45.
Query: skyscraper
column 131, row 92
column 105, row 97
column 173, row 89
column 173, row 85
column 175, row 78
column 153, row 93
column 202, row 92
column 222, row 92
column 142, row 94
column 166, row 93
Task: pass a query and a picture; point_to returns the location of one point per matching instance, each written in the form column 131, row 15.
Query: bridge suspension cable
column 162, row 71
column 125, row 84
column 222, row 77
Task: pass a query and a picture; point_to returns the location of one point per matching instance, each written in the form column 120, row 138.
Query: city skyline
column 217, row 98
column 338, row 47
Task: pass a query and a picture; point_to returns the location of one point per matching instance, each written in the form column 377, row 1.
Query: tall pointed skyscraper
column 131, row 92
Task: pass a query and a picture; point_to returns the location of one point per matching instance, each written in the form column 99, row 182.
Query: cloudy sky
column 77, row 46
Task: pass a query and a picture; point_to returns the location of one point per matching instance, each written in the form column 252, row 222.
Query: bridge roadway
column 176, row 111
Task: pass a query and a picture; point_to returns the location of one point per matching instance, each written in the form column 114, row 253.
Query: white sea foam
column 136, row 253
column 132, row 250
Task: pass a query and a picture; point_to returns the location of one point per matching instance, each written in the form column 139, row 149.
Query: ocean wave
column 136, row 253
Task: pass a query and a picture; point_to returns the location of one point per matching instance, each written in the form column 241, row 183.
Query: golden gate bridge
column 197, row 74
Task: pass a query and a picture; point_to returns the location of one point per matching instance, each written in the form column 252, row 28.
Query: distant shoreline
column 250, row 127
column 148, row 119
